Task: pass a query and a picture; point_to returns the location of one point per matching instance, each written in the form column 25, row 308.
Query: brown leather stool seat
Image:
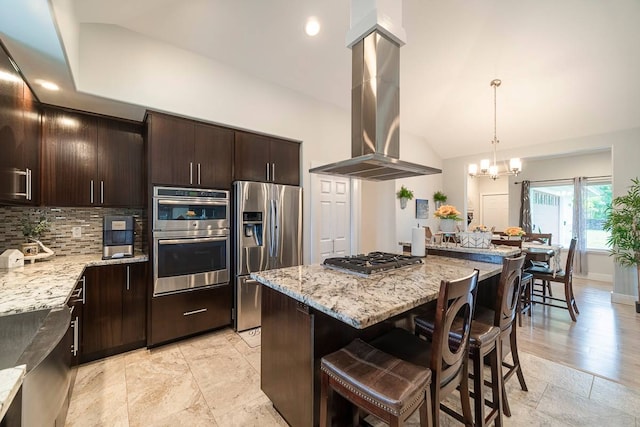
column 482, row 342
column 369, row 376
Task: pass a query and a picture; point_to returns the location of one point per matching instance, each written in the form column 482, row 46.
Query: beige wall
column 624, row 147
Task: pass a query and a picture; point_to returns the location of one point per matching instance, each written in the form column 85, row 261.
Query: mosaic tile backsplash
column 61, row 222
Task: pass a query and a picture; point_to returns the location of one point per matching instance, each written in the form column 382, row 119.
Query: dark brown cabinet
column 188, row 153
column 114, row 310
column 91, row 161
column 19, row 138
column 262, row 158
column 187, row 313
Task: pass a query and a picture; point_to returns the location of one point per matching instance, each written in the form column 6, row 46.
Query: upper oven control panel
column 189, row 192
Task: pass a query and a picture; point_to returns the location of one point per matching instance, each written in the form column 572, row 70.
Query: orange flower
column 447, row 212
column 514, row 231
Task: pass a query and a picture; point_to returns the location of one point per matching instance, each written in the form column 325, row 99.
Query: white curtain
column 580, row 224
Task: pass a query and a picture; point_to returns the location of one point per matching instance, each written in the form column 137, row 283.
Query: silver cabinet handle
column 101, row 192
column 28, row 184
column 273, row 172
column 91, row 192
column 84, row 290
column 74, row 347
column 128, row 277
column 198, row 173
column 190, row 172
column 189, row 313
column 267, row 166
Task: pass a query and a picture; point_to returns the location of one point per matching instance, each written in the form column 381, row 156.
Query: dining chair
column 542, row 238
column 387, row 378
column 547, row 276
column 506, row 242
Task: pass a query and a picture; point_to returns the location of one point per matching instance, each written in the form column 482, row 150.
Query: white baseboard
column 623, row 299
column 598, row 277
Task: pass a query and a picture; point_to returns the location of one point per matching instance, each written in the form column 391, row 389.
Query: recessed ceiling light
column 47, row 84
column 313, row 26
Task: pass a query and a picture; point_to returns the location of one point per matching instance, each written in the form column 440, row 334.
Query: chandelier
column 486, row 167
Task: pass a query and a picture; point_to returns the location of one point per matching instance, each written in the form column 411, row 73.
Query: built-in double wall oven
column 191, row 242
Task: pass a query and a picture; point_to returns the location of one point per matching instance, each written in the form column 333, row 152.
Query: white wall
column 120, row 64
column 415, row 150
column 625, row 152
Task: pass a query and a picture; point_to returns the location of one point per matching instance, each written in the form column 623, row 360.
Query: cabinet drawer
column 179, row 315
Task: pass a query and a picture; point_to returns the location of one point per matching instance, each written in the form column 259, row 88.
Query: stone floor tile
column 616, row 396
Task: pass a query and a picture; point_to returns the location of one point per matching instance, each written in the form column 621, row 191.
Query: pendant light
column 486, row 167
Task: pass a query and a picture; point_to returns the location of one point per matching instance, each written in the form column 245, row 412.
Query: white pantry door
column 330, row 231
column 494, row 209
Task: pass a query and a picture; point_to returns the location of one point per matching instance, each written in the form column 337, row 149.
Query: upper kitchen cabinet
column 188, row 153
column 19, row 137
column 120, row 163
column 262, row 158
column 91, row 161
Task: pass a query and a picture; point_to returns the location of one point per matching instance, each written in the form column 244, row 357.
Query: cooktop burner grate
column 372, row 262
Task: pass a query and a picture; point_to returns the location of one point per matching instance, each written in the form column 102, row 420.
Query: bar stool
column 503, row 316
column 487, row 334
column 525, row 304
column 398, row 372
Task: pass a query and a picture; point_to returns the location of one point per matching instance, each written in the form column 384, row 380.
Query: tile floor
column 214, row 380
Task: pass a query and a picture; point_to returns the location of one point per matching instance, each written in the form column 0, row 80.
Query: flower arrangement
column 447, row 212
column 480, row 229
column 514, row 231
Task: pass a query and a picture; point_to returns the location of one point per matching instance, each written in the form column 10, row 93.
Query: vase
column 29, row 249
column 447, row 225
column 403, row 202
column 437, row 203
column 514, row 237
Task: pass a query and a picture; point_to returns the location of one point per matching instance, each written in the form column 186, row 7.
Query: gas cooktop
column 372, row 262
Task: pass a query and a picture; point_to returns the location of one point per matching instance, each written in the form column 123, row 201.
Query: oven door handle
column 195, row 240
column 193, row 201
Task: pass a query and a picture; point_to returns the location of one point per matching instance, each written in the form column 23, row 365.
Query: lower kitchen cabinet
column 114, row 310
column 178, row 315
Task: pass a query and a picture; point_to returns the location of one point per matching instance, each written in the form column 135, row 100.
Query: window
column 552, row 212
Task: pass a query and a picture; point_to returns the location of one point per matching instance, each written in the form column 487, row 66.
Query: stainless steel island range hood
column 375, row 120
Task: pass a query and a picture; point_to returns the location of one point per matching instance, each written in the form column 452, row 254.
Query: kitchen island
column 310, row 311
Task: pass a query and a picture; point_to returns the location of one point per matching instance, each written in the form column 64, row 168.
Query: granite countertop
column 503, row 251
column 47, row 284
column 10, row 382
column 361, row 301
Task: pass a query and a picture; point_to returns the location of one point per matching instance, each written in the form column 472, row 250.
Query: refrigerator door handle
column 272, row 227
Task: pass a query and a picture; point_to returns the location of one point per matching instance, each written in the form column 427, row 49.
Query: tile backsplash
column 61, row 222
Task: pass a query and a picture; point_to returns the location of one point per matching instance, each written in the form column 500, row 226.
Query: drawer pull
column 189, row 313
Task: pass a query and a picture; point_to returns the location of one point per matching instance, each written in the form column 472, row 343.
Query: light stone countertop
column 10, row 382
column 500, row 250
column 47, row 284
column 361, row 301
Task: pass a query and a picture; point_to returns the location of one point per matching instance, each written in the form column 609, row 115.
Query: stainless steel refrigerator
column 268, row 235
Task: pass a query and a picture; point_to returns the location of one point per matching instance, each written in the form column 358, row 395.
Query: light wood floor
column 605, row 340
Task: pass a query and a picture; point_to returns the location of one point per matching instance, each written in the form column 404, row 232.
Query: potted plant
column 32, row 230
column 439, row 198
column 623, row 221
column 404, row 194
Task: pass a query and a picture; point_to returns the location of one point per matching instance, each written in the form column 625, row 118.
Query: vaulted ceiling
column 569, row 68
